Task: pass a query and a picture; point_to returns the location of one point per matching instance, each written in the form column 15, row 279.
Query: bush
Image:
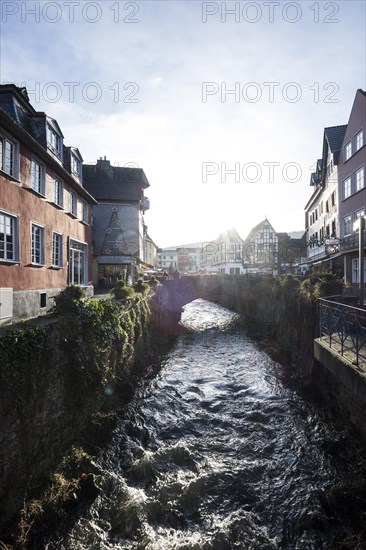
column 153, row 282
column 121, row 291
column 141, row 287
column 322, row 284
column 69, row 300
column 291, row 285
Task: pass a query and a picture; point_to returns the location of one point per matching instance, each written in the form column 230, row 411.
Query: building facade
column 260, row 250
column 321, row 211
column 225, row 254
column 167, row 259
column 119, row 231
column 150, row 251
column 351, row 186
column 45, row 212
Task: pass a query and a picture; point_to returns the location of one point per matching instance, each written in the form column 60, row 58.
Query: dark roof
column 18, row 131
column 107, row 182
column 335, row 136
column 255, row 230
column 361, row 92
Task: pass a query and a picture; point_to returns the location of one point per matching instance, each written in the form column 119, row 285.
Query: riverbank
column 63, row 383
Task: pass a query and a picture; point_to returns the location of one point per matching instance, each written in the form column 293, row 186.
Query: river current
column 215, row 452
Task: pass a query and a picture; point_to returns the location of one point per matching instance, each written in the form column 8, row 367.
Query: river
column 217, row 452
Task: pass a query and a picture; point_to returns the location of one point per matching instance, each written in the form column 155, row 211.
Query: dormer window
column 54, row 141
column 75, row 166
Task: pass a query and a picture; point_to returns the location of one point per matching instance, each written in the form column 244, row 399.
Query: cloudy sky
column 223, row 104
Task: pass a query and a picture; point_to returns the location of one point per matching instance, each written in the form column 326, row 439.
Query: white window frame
column 38, row 177
column 359, row 140
column 78, row 262
column 54, row 141
column 40, row 249
column 75, row 165
column 360, row 178
column 355, row 275
column 14, row 228
column 58, row 192
column 10, row 168
column 359, row 214
column 347, row 187
column 349, row 219
column 73, row 204
column 348, row 150
column 85, row 212
column 57, row 244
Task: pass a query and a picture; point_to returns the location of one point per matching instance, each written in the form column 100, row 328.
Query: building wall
column 29, row 207
column 129, row 219
column 348, row 167
column 28, row 281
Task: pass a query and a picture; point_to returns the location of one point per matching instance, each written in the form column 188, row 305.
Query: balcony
column 350, row 243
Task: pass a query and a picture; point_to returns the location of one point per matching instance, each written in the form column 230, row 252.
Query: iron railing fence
column 343, row 328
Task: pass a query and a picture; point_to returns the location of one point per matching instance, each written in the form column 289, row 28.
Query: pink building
column 45, row 212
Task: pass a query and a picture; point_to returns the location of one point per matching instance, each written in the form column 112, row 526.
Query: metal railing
column 343, row 329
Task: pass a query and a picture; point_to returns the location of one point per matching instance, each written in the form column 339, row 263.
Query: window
column 355, row 276
column 75, row 166
column 333, row 198
column 359, row 214
column 347, row 225
column 9, row 157
column 73, row 204
column 77, row 263
column 360, row 179
column 347, row 188
column 85, row 212
column 9, row 239
column 58, row 193
column 334, row 232
column 54, row 141
column 38, row 177
column 359, row 140
column 37, row 244
column 56, row 250
column 348, row 150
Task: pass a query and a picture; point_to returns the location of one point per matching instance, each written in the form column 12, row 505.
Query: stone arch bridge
column 173, row 294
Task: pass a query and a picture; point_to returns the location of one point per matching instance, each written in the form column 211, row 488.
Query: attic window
column 54, row 141
column 75, row 166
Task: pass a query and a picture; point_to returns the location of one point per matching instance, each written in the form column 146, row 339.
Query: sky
column 223, row 104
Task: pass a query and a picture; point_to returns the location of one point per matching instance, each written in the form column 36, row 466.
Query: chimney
column 103, row 164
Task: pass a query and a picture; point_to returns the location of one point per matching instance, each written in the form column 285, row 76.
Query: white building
column 224, row 255
column 321, row 211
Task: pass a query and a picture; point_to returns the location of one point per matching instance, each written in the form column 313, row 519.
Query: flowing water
column 215, row 452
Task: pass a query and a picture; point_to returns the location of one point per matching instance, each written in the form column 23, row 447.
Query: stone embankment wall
column 286, row 316
column 61, row 383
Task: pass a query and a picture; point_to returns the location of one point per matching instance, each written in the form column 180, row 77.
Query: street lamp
column 359, row 225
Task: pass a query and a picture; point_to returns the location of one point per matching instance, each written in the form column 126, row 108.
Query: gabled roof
column 255, row 230
column 231, row 235
column 335, row 136
column 114, row 183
